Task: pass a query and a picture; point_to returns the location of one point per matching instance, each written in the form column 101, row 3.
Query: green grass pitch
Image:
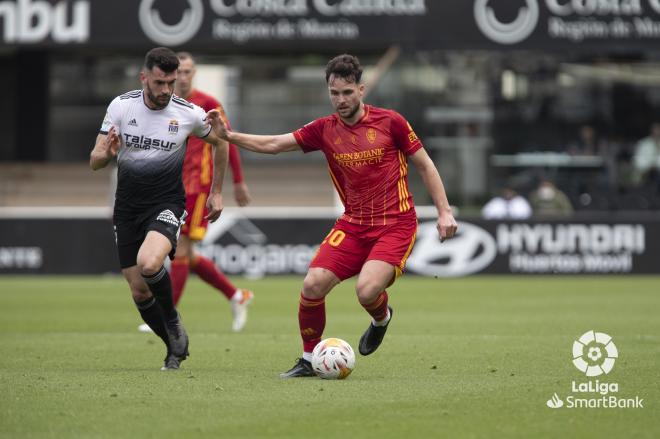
column 475, row 357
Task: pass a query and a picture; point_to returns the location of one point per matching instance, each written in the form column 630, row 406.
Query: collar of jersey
column 362, row 119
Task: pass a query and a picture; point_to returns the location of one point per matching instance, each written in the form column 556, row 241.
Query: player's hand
column 112, row 142
column 214, row 207
column 214, row 118
column 447, row 226
column 241, row 194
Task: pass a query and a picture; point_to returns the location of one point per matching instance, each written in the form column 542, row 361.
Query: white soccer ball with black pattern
column 333, row 359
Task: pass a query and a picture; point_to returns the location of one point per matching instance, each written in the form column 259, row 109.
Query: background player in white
column 147, row 131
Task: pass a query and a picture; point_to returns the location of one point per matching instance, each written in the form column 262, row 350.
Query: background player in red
column 367, row 149
column 197, row 173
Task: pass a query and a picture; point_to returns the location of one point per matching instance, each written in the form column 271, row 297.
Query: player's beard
column 159, row 102
column 352, row 113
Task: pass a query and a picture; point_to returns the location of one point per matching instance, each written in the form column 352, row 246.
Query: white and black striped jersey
column 153, row 146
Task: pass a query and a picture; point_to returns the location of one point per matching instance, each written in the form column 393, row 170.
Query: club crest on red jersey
column 371, row 135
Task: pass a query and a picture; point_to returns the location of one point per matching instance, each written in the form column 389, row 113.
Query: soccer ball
column 333, row 359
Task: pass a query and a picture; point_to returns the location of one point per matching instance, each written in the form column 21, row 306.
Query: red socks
column 378, row 308
column 311, row 318
column 178, row 275
column 209, row 273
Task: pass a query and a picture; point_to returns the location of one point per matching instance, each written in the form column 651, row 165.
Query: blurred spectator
column 586, row 143
column 508, row 205
column 548, row 200
column 646, row 159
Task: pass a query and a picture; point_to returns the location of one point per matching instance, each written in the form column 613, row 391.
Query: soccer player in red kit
column 367, row 149
column 197, row 173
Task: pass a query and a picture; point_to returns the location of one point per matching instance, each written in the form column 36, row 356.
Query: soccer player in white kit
column 147, row 130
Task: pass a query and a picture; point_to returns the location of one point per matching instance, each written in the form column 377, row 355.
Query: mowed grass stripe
column 472, row 357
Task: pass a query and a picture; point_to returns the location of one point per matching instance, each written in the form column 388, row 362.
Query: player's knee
column 313, row 287
column 149, row 264
column 367, row 291
column 182, row 252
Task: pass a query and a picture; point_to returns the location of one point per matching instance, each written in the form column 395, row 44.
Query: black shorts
column 165, row 219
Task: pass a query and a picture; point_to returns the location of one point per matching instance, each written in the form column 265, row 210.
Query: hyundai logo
column 470, row 251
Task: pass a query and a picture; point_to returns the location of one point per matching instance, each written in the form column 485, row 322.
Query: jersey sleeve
column 112, row 116
column 310, row 137
column 404, row 137
column 201, row 127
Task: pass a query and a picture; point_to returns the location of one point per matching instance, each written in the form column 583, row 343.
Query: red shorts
column 348, row 246
column 196, row 223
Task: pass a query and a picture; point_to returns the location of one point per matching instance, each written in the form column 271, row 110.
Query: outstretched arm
column 257, row 143
column 105, row 149
column 446, row 223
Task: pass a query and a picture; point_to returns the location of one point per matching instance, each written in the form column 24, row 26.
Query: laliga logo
column 174, row 34
column 594, row 353
column 506, row 33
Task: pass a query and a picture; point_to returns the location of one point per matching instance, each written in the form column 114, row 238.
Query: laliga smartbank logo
column 594, row 354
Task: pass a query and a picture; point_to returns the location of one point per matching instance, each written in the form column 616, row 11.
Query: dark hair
column 163, row 58
column 346, row 67
column 185, row 55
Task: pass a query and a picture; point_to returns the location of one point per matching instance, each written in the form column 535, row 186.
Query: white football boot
column 239, row 305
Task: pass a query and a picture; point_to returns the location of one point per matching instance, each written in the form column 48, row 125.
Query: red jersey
column 198, row 164
column 367, row 162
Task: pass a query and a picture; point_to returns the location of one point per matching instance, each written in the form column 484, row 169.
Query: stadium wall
column 232, row 25
column 257, row 242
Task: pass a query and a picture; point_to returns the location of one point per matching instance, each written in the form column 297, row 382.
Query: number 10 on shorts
column 334, row 238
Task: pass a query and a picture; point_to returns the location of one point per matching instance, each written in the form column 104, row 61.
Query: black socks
column 161, row 287
column 153, row 316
